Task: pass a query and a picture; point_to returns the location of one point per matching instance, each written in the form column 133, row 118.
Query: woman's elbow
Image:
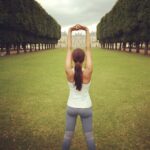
column 90, row 69
column 67, row 70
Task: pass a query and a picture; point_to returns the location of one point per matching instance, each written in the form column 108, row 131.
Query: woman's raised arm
column 68, row 64
column 88, row 61
column 88, row 64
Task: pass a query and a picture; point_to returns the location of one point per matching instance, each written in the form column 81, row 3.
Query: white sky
column 71, row 12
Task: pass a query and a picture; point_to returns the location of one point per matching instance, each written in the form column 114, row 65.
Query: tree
column 127, row 22
column 25, row 22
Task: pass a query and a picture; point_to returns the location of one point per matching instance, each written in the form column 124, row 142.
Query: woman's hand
column 78, row 27
column 74, row 28
column 82, row 27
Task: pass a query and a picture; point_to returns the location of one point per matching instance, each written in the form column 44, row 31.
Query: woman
column 79, row 102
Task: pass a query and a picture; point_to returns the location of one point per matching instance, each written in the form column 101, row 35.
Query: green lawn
column 34, row 92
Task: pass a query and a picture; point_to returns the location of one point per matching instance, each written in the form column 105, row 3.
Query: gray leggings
column 86, row 118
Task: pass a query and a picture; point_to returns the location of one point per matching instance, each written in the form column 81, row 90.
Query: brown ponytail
column 78, row 58
column 78, row 76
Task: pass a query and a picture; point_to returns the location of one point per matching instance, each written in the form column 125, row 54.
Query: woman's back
column 79, row 99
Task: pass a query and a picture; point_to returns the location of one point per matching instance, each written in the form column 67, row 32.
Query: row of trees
column 25, row 24
column 127, row 25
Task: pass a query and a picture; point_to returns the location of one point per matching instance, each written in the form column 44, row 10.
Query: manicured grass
column 34, row 92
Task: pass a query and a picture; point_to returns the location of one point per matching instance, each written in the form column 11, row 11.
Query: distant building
column 94, row 41
column 62, row 43
column 78, row 40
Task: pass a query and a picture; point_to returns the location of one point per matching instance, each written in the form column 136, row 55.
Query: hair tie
column 78, row 63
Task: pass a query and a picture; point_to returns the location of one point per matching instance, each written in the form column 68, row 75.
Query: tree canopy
column 128, row 21
column 25, row 21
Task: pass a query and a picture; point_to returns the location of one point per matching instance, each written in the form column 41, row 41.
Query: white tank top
column 79, row 99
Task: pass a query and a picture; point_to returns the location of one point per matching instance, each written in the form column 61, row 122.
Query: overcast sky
column 70, row 12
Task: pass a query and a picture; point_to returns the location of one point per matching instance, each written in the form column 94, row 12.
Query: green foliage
column 129, row 20
column 28, row 21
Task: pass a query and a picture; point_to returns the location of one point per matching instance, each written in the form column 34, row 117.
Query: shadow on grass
column 26, row 140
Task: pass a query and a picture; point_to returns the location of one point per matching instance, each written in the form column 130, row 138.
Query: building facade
column 78, row 40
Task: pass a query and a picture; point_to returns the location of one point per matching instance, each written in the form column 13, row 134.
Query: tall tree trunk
column 130, row 46
column 113, row 46
column 120, row 46
column 124, row 46
column 116, row 46
column 45, row 46
column 30, row 47
column 146, row 48
column 137, row 47
column 18, row 48
column 39, row 46
column 7, row 49
column 110, row 46
column 2, row 47
column 35, row 47
column 1, row 50
column 24, row 47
